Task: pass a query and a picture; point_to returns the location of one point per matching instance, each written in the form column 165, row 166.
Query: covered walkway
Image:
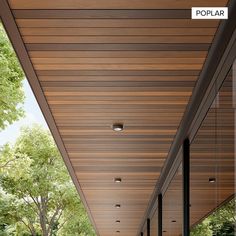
column 122, row 85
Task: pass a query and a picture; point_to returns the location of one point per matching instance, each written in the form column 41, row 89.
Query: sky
column 33, row 115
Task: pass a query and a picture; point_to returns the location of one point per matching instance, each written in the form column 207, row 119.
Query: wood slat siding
column 113, row 4
column 29, row 31
column 118, row 54
column 136, row 63
column 116, row 23
column 103, row 14
column 117, row 39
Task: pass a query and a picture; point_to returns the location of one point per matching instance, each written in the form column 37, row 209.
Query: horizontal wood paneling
column 118, row 54
column 116, row 23
column 118, row 46
column 119, row 73
column 118, row 66
column 112, row 4
column 134, row 62
column 103, row 14
column 26, row 31
column 117, row 39
column 47, row 81
column 107, row 60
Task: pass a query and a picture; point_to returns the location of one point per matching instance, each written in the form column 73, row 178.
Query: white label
column 209, row 12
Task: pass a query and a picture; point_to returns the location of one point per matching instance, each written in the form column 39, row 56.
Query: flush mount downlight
column 117, row 206
column 118, row 231
column 118, row 127
column 117, row 180
column 212, row 180
column 117, row 221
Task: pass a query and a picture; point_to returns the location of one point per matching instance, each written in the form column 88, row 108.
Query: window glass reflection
column 173, row 205
column 212, row 170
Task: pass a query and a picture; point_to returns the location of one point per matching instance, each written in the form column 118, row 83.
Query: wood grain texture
column 117, row 54
column 135, row 63
column 113, row 4
column 137, row 67
column 118, row 46
column 115, row 23
column 108, row 60
column 117, row 39
column 103, row 14
column 31, row 31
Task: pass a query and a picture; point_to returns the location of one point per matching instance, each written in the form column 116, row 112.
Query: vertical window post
column 186, row 175
column 160, row 214
column 148, row 227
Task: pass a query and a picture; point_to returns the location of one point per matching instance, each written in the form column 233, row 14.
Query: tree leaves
column 11, row 76
column 220, row 222
column 42, row 194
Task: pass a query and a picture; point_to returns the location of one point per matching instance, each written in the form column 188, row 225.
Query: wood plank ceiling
column 125, row 64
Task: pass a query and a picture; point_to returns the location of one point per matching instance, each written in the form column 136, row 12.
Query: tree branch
column 28, row 203
column 62, row 224
column 9, row 161
column 32, row 230
column 34, row 199
column 53, row 219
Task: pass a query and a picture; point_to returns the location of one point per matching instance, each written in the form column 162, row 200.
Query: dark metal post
column 186, row 174
column 148, row 227
column 141, row 234
column 160, row 214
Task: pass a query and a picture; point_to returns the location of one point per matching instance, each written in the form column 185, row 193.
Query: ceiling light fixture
column 118, row 127
column 212, row 180
column 173, row 221
column 117, row 180
column 117, row 206
column 117, row 231
column 117, row 221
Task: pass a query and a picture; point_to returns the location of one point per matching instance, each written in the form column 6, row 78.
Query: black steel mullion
column 148, row 227
column 186, row 189
column 160, row 215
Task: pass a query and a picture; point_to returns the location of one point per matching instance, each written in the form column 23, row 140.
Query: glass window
column 154, row 222
column 212, row 167
column 173, row 205
column 145, row 233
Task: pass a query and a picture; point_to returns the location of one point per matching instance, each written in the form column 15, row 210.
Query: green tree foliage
column 220, row 223
column 11, row 76
column 78, row 223
column 202, row 229
column 38, row 197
